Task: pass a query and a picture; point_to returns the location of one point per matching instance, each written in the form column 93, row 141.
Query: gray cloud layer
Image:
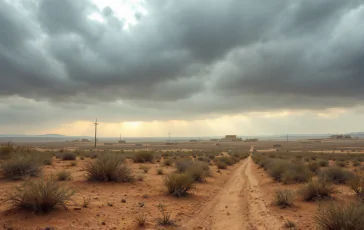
column 182, row 59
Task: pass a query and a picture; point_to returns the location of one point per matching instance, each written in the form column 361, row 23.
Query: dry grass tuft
column 317, row 190
column 178, row 184
column 143, row 157
column 40, row 196
column 108, row 168
column 284, row 198
column 63, row 175
column 20, row 167
column 335, row 216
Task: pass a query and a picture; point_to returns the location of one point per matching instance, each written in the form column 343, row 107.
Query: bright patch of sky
column 125, row 10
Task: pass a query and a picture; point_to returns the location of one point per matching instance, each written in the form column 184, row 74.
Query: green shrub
column 336, row 175
column 19, row 167
column 108, row 168
column 40, row 196
column 340, row 217
column 63, row 175
column 316, row 190
column 178, row 184
column 284, row 198
column 143, row 157
column 68, row 156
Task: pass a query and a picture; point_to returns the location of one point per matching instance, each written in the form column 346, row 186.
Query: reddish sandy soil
column 237, row 198
column 106, row 211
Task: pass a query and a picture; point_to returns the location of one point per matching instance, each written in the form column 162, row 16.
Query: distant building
column 277, row 146
column 122, row 141
column 231, row 138
column 214, row 139
column 340, row 137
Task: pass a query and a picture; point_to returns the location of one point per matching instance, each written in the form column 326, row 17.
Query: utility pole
column 96, row 124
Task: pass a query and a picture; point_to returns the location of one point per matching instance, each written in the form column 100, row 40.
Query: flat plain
column 235, row 185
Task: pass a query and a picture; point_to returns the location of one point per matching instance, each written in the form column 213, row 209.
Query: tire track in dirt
column 238, row 205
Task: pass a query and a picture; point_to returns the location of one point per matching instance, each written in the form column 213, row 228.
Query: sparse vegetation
column 323, row 163
column 144, row 168
column 167, row 161
column 284, row 198
column 335, row 216
column 140, row 219
column 6, row 150
column 108, row 168
column 198, row 172
column 183, row 165
column 178, row 184
column 160, row 171
column 357, row 185
column 21, row 166
column 166, row 218
column 63, row 175
column 68, row 156
column 317, row 190
column 86, row 202
column 143, row 157
column 288, row 172
column 289, row 224
column 221, row 164
column 336, row 175
column 40, row 196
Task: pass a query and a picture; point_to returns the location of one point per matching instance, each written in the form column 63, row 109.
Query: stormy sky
column 194, row 67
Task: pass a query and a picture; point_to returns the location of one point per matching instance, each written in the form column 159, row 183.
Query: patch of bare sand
column 239, row 205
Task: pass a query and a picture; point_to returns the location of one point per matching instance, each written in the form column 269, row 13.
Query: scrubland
column 185, row 186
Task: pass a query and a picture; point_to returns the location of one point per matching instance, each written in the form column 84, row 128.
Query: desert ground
column 235, row 184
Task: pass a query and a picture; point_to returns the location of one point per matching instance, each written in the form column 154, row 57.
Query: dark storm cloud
column 184, row 58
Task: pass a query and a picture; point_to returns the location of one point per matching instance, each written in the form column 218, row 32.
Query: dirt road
column 238, row 206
